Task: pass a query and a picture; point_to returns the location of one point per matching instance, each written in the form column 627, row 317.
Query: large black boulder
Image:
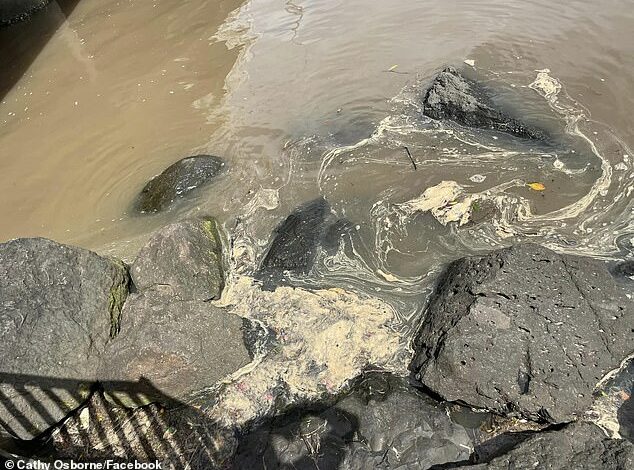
column 453, row 97
column 383, row 424
column 525, row 332
column 59, row 308
column 176, row 181
column 579, row 446
column 297, row 240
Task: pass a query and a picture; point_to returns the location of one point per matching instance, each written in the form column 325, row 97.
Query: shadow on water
column 100, row 427
column 21, row 43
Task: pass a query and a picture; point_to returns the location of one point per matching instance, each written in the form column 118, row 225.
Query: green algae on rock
column 60, row 307
column 187, row 256
column 171, row 334
column 176, row 181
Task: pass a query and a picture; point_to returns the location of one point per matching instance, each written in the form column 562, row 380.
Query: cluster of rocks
column 523, row 332
column 101, row 359
column 68, row 313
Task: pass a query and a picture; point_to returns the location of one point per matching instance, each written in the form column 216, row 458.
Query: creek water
column 321, row 97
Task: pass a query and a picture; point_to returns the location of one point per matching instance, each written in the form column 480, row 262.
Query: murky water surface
column 317, row 98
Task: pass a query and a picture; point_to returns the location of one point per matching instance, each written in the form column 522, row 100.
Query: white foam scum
column 323, row 340
column 594, row 221
column 605, row 407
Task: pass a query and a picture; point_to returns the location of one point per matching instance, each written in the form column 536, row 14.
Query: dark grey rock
column 15, row 11
column 59, row 307
column 181, row 347
column 626, row 419
column 382, row 424
column 176, row 181
column 525, row 332
column 579, row 446
column 170, row 334
column 186, row 256
column 453, row 97
column 624, row 269
column 297, row 238
column 310, row 227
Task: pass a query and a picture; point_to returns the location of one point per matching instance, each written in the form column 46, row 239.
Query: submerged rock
column 170, row 333
column 454, row 97
column 298, row 238
column 525, row 332
column 382, row 424
column 187, row 256
column 59, row 307
column 176, row 181
column 581, row 446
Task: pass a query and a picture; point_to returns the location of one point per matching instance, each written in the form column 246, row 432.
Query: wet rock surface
column 15, row 11
column 579, row 445
column 624, row 269
column 176, row 181
column 171, row 334
column 453, row 97
column 59, row 307
column 297, row 240
column 524, row 332
column 384, row 423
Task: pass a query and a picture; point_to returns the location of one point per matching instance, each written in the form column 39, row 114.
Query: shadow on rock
column 383, row 423
column 172, row 432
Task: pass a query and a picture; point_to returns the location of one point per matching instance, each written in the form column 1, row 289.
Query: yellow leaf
column 392, row 68
column 536, row 186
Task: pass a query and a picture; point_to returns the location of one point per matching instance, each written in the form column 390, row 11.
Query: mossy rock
column 60, row 306
column 176, row 181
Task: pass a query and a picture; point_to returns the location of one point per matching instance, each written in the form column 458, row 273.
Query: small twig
column 410, row 156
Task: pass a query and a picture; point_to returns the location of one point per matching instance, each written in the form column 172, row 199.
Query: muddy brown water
column 320, row 98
